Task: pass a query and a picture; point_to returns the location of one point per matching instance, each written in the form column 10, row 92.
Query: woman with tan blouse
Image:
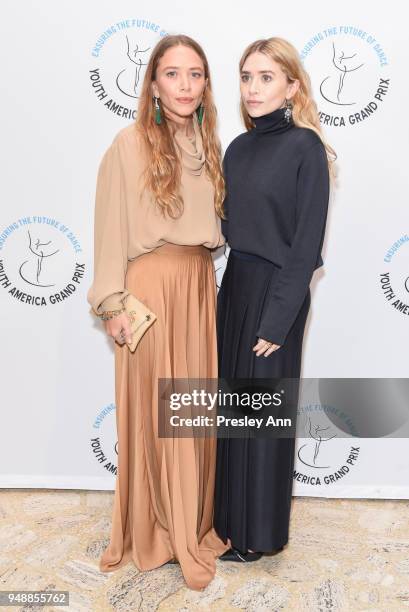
column 157, row 216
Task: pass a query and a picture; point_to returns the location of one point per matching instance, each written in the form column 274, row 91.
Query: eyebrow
column 176, row 68
column 260, row 72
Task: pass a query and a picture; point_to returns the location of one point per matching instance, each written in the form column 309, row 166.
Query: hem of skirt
column 122, row 563
column 256, row 548
column 105, row 568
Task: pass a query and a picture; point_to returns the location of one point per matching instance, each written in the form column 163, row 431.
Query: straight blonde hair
column 304, row 111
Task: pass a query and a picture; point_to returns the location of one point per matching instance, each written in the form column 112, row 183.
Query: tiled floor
column 342, row 555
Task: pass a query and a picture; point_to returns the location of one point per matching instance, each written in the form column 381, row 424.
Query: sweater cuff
column 272, row 335
column 112, row 302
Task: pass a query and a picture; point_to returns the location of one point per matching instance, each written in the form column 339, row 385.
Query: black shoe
column 235, row 555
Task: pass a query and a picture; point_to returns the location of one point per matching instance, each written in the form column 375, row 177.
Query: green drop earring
column 200, row 113
column 158, row 118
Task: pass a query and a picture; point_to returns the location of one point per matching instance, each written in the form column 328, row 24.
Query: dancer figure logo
column 349, row 73
column 37, row 253
column 120, row 56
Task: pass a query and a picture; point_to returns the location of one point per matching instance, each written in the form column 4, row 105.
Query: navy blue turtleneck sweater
column 277, row 191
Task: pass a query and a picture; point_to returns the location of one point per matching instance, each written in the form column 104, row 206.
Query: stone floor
column 342, row 555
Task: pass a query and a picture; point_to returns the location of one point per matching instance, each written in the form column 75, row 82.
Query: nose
column 184, row 82
column 253, row 86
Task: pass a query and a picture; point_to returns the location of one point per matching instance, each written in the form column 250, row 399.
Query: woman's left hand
column 266, row 347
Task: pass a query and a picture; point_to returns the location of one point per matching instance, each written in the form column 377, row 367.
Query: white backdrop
column 67, row 84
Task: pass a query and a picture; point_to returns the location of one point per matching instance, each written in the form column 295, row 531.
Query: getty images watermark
column 243, row 408
column 254, row 401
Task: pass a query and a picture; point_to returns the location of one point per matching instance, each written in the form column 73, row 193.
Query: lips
column 254, row 102
column 185, row 100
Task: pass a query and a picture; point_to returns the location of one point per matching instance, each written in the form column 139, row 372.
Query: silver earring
column 288, row 110
column 158, row 117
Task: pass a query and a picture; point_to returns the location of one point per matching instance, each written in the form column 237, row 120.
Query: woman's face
column 180, row 82
column 263, row 85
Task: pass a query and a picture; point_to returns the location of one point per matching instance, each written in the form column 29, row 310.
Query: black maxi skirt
column 254, row 476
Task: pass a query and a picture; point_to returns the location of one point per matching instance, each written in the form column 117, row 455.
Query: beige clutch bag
column 141, row 319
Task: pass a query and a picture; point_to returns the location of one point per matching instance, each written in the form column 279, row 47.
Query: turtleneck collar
column 191, row 147
column 273, row 122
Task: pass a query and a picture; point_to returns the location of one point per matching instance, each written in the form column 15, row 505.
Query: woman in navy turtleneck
column 277, row 190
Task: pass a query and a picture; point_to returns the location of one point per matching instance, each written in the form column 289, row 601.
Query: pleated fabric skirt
column 163, row 504
column 254, row 476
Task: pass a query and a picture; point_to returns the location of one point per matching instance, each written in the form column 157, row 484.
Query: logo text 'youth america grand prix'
column 38, row 261
column 323, row 458
column 349, row 73
column 121, row 55
column 394, row 278
column 104, row 442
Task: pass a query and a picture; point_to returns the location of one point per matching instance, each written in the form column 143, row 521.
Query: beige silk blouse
column 127, row 222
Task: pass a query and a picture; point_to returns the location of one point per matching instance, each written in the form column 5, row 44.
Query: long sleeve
column 287, row 294
column 224, row 222
column 110, row 235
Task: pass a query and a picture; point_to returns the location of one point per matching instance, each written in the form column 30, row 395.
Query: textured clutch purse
column 141, row 318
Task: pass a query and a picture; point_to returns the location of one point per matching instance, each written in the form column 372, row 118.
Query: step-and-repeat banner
column 71, row 77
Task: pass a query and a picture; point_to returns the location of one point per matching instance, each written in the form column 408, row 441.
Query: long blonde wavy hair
column 163, row 170
column 304, row 111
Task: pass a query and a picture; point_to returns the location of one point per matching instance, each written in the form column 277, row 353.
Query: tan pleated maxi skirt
column 163, row 504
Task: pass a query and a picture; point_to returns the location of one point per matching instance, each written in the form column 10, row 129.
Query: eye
column 245, row 78
column 267, row 78
column 171, row 73
column 197, row 75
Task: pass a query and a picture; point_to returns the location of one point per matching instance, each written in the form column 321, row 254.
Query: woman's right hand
column 116, row 325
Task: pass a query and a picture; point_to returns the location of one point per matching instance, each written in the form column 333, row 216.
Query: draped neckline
column 191, row 147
